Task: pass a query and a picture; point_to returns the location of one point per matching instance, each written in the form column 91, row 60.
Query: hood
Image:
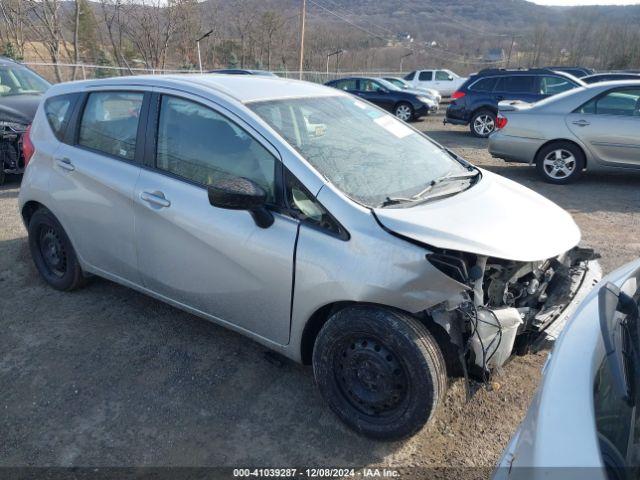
column 19, row 108
column 496, row 217
column 418, row 92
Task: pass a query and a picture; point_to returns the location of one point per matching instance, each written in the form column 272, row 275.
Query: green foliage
column 103, row 59
column 9, row 51
column 87, row 32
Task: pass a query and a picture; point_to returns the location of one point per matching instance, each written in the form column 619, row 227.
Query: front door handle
column 581, row 123
column 65, row 164
column 155, row 198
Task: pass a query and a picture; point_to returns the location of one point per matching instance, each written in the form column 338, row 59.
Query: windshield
column 388, row 85
column 366, row 153
column 397, row 82
column 21, row 81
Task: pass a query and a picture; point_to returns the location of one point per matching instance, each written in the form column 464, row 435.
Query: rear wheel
column 404, row 111
column 380, row 371
column 53, row 253
column 483, row 123
column 560, row 163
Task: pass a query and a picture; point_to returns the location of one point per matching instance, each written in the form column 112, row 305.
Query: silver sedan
column 592, row 128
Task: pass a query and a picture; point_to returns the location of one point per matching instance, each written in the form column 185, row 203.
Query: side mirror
column 239, row 193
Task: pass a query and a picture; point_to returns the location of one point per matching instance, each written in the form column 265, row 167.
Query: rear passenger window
column 484, row 85
column 198, row 144
column 110, row 123
column 425, row 76
column 346, row 84
column 58, row 112
column 517, row 84
column 623, row 102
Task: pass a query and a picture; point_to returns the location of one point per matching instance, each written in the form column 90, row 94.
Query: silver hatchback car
column 307, row 219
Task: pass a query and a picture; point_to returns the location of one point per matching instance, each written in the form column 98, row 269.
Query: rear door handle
column 581, row 123
column 65, row 164
column 155, row 198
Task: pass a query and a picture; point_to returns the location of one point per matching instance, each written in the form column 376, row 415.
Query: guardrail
column 84, row 71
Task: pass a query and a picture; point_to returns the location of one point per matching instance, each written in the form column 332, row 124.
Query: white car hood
column 496, row 217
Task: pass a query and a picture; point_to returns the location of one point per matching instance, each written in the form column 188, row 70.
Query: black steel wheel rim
column 371, row 376
column 52, row 250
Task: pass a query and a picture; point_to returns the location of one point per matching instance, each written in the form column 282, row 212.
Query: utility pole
column 337, row 55
column 513, row 39
column 403, row 57
column 198, row 45
column 303, row 14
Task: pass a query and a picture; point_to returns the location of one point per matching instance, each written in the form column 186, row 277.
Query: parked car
column 405, row 104
column 334, row 246
column 20, row 92
column 577, row 72
column 404, row 85
column 610, row 76
column 593, row 128
column 475, row 103
column 444, row 81
column 244, row 71
column 583, row 421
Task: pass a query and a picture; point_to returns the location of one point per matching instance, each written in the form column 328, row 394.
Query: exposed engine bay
column 11, row 158
column 508, row 305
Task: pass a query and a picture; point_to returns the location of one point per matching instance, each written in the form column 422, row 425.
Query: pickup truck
column 445, row 81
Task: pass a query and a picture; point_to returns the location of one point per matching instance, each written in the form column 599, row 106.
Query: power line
column 333, row 2
column 347, row 20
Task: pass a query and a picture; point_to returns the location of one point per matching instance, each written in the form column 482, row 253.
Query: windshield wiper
column 450, row 177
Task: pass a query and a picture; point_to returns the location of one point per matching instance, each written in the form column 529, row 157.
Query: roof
column 6, row 62
column 243, row 88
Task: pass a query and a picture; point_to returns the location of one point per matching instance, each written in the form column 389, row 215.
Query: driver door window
column 200, row 145
column 443, row 76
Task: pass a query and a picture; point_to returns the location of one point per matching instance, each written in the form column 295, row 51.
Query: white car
column 583, row 422
column 445, row 81
column 404, row 85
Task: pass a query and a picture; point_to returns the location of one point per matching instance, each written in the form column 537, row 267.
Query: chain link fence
column 82, row 71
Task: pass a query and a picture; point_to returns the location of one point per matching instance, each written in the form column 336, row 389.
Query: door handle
column 155, row 198
column 65, row 164
column 581, row 123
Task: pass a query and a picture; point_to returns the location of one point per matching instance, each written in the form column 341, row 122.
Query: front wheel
column 483, row 123
column 404, row 112
column 379, row 370
column 560, row 163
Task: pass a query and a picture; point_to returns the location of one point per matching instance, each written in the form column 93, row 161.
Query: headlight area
column 510, row 305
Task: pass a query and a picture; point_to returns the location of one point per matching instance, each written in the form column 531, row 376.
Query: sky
column 586, row 2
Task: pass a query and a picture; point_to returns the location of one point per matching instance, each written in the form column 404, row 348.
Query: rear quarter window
column 58, row 111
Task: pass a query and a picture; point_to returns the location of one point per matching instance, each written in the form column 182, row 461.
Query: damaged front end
column 11, row 157
column 510, row 306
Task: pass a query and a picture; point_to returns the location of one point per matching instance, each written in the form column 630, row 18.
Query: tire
column 404, row 111
column 380, row 371
column 483, row 123
column 53, row 253
column 560, row 162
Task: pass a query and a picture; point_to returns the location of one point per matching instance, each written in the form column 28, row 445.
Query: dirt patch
column 106, row 376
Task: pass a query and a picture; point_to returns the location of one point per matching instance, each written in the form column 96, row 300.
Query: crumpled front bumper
column 551, row 322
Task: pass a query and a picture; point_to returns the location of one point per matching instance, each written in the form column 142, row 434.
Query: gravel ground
column 108, row 377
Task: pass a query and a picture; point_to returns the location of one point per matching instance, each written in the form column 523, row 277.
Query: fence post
column 84, row 73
